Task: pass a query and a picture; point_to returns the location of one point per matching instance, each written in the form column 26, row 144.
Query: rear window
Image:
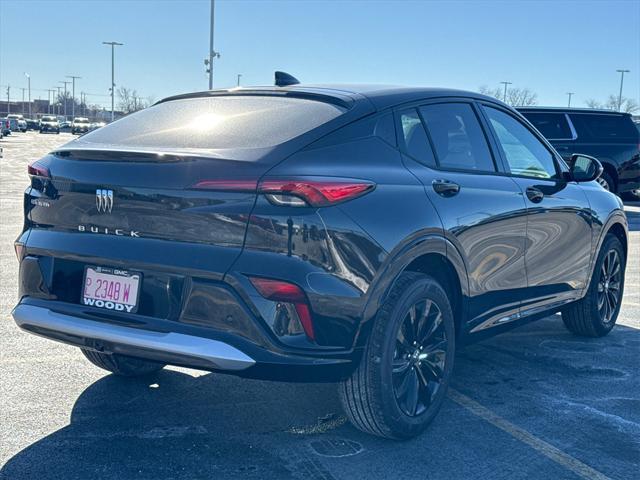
column 217, row 122
column 553, row 126
column 604, row 127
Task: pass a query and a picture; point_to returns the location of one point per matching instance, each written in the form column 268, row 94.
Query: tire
column 373, row 397
column 595, row 315
column 122, row 365
column 607, row 182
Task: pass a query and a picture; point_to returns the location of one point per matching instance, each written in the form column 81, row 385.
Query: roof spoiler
column 283, row 79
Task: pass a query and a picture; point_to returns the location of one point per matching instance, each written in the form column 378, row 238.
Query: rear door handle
column 445, row 188
column 534, row 194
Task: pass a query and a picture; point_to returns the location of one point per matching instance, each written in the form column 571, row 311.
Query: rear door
column 559, row 232
column 483, row 213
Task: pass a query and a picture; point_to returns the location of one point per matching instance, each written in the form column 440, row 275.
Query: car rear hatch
column 131, row 193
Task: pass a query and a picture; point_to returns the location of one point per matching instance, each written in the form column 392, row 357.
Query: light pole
column 73, row 94
column 212, row 53
column 58, row 99
column 570, row 95
column 23, row 89
column 29, row 86
column 65, row 96
column 113, row 82
column 505, row 90
column 49, row 95
column 8, row 101
column 239, row 76
column 621, row 72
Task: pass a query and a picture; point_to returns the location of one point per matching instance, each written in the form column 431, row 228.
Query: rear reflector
column 280, row 291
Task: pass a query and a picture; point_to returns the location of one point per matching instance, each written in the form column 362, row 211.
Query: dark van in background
column 609, row 136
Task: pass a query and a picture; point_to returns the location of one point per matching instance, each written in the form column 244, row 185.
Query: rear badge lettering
column 109, row 231
column 40, row 203
column 119, row 307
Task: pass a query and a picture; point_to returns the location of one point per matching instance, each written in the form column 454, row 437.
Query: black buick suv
column 352, row 234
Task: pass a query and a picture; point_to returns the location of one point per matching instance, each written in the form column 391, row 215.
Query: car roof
column 570, row 110
column 381, row 96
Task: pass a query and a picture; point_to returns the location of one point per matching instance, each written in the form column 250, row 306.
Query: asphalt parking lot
column 535, row 403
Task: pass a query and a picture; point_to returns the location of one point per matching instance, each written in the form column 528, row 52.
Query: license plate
column 111, row 289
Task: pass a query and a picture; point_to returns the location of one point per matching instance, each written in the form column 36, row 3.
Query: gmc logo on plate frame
column 104, row 200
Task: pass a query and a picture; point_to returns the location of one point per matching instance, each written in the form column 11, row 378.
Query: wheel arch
column 617, row 225
column 431, row 254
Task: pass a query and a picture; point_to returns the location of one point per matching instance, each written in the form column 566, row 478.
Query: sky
column 551, row 47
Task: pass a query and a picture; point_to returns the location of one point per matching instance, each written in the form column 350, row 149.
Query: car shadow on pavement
column 577, row 394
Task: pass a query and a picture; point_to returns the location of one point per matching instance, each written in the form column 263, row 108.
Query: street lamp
column 73, row 94
column 212, row 53
column 505, row 90
column 570, row 95
column 29, row 85
column 23, row 89
column 239, row 75
column 113, row 82
column 621, row 72
column 49, row 99
column 65, row 96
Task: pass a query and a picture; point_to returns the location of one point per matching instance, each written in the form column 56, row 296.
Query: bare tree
column 129, row 101
column 628, row 105
column 517, row 97
column 491, row 92
column 521, row 97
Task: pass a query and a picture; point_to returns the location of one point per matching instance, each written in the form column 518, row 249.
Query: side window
column 553, row 126
column 525, row 154
column 415, row 138
column 457, row 137
column 597, row 126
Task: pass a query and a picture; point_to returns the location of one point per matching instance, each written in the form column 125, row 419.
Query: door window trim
column 495, row 159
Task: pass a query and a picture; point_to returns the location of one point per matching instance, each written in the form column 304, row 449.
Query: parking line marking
column 546, row 449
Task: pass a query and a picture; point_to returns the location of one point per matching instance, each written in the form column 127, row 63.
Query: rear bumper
column 156, row 345
column 178, row 344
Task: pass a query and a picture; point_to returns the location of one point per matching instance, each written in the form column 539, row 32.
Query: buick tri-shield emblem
column 104, row 200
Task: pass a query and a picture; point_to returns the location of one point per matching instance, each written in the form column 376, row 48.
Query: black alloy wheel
column 609, row 286
column 419, row 358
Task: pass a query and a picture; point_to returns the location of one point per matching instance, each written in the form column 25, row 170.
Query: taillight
column 316, row 193
column 19, row 247
column 288, row 293
column 38, row 170
column 298, row 192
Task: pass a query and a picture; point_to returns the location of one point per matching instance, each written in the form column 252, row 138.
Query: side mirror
column 585, row 168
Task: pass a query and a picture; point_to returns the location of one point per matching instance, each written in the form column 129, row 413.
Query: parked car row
column 46, row 124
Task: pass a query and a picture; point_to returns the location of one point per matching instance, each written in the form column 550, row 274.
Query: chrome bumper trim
column 219, row 354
